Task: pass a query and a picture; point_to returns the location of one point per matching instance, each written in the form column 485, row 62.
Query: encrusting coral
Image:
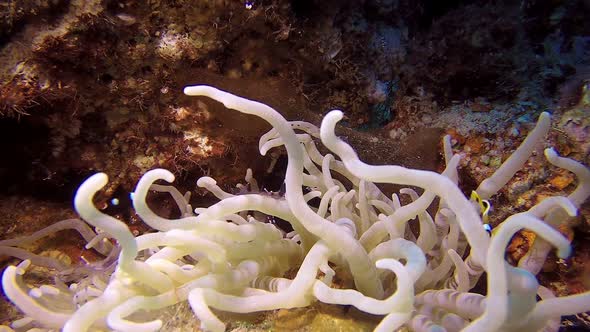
column 228, row 258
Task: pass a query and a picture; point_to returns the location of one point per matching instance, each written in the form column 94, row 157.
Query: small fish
column 126, row 19
column 484, row 209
